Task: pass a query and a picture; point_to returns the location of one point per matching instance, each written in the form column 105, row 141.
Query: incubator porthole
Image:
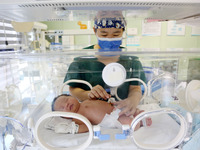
column 114, row 74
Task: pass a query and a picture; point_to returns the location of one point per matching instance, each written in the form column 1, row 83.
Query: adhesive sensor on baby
column 114, row 74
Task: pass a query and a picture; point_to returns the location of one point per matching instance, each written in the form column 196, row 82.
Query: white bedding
column 162, row 130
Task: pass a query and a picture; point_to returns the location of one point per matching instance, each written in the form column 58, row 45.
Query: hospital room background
column 40, row 39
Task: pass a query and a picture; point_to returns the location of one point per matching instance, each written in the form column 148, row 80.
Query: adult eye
column 105, row 35
column 116, row 35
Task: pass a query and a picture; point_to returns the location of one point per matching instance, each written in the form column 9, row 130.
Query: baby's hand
column 148, row 121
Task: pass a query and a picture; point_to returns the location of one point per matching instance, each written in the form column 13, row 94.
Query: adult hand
column 137, row 112
column 127, row 106
column 98, row 92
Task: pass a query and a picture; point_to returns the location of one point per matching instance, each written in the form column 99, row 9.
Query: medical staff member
column 108, row 27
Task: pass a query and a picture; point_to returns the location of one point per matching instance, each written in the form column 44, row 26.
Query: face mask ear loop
column 97, row 40
column 97, row 36
column 124, row 35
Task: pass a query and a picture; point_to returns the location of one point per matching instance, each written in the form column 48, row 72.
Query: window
column 10, row 40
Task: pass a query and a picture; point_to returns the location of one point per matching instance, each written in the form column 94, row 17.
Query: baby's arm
column 82, row 127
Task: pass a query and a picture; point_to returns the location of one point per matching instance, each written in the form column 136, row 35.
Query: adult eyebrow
column 103, row 31
column 117, row 32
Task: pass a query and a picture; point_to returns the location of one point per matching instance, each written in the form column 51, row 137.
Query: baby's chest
column 95, row 116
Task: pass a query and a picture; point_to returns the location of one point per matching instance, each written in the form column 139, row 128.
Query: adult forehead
column 111, row 30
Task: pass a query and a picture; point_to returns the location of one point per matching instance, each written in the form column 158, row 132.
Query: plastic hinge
column 98, row 135
column 126, row 132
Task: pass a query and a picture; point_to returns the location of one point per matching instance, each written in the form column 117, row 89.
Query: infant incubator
column 39, row 62
column 40, row 78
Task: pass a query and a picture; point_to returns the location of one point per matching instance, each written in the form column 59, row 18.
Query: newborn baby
column 96, row 111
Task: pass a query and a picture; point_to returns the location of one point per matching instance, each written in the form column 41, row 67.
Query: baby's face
column 67, row 104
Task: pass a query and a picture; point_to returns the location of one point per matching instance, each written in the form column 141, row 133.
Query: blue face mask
column 109, row 44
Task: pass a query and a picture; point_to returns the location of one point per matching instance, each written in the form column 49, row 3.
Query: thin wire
column 12, row 120
column 4, row 146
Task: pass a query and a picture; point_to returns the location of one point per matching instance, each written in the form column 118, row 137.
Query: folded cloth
column 111, row 120
column 53, row 121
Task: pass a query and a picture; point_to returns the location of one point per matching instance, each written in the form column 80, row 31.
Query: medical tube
column 16, row 128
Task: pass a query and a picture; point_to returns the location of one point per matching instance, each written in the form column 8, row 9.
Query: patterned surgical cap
column 109, row 23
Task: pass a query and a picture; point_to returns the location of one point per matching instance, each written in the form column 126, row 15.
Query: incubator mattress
column 162, row 130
